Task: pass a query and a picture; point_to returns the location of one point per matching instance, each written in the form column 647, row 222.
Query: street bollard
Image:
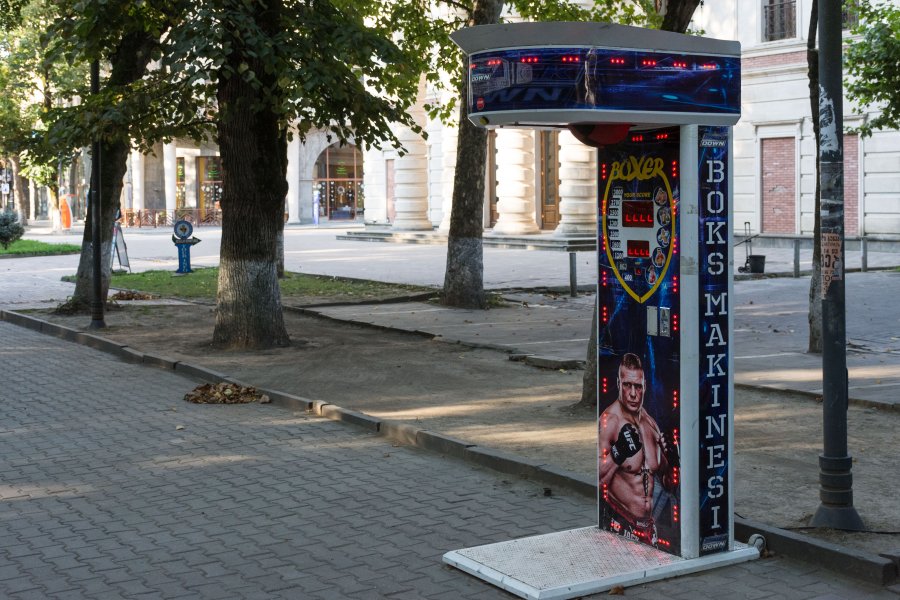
column 864, row 250
column 796, row 258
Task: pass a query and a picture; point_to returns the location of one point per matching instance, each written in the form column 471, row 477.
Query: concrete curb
column 846, row 561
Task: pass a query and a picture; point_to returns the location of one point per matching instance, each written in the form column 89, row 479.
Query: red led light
column 678, row 64
column 528, row 59
column 571, row 59
column 709, row 66
column 675, row 399
column 605, row 317
column 675, row 512
column 648, row 62
column 675, row 322
column 675, row 288
column 473, row 66
column 605, row 381
column 603, row 171
column 662, row 136
column 604, row 279
column 617, row 61
column 637, row 138
column 674, row 168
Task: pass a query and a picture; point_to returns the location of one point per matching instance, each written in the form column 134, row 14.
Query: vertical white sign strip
column 690, row 352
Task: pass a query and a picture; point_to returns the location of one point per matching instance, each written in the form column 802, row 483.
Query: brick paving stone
column 104, row 498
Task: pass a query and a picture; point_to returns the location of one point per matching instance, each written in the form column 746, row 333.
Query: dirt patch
column 480, row 396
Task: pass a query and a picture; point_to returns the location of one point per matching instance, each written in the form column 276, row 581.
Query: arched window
column 339, row 182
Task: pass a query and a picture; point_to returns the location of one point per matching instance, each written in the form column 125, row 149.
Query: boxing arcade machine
column 658, row 106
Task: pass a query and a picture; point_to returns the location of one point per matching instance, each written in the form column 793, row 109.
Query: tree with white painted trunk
column 245, row 72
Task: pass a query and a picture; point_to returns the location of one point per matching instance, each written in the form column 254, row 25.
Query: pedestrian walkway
column 113, row 487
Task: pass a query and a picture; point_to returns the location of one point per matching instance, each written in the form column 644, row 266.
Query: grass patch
column 298, row 287
column 35, row 248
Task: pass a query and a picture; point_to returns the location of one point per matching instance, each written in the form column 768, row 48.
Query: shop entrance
column 339, row 182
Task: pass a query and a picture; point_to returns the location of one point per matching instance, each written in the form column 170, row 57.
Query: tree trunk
column 248, row 304
column 815, row 283
column 678, row 15
column 589, row 381
column 128, row 64
column 677, row 18
column 18, row 185
column 464, row 277
column 113, row 159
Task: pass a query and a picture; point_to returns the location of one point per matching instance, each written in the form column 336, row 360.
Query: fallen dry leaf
column 225, row 393
column 617, row 590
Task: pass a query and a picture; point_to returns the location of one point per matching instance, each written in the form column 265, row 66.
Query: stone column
column 170, row 177
column 450, row 135
column 577, row 187
column 515, row 182
column 411, row 179
column 293, row 180
column 137, row 180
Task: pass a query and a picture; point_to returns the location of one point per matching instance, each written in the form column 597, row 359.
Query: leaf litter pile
column 225, row 393
column 131, row 295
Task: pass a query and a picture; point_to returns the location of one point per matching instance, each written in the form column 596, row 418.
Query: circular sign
column 183, row 229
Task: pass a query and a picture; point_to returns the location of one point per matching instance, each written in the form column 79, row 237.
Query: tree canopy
column 872, row 62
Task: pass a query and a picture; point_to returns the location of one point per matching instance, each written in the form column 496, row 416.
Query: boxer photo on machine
column 634, row 455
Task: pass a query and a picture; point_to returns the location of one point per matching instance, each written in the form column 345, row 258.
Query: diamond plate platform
column 573, row 563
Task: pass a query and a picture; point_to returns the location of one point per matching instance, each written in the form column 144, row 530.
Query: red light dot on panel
column 603, row 171
column 675, row 285
column 709, row 66
column 617, row 61
column 675, row 322
column 679, row 64
column 605, row 385
column 674, row 168
column 605, row 315
column 675, row 512
column 648, row 62
column 475, row 66
column 637, row 138
column 675, row 399
column 662, row 136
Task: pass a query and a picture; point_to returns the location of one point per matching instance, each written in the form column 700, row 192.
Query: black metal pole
column 835, row 477
column 97, row 321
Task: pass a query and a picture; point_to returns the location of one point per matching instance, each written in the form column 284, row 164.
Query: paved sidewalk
column 113, row 487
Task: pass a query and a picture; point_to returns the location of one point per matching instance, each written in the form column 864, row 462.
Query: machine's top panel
column 556, row 74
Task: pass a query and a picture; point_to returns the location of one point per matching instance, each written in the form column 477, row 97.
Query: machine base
column 577, row 562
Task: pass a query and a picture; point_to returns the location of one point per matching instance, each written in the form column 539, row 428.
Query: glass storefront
column 339, row 182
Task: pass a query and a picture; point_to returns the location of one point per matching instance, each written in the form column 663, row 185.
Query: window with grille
column 780, row 19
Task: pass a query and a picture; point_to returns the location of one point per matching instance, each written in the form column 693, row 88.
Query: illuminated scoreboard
column 637, row 210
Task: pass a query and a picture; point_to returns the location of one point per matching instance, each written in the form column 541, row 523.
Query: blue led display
column 603, row 79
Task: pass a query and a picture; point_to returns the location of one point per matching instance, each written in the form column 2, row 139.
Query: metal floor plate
column 576, row 562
